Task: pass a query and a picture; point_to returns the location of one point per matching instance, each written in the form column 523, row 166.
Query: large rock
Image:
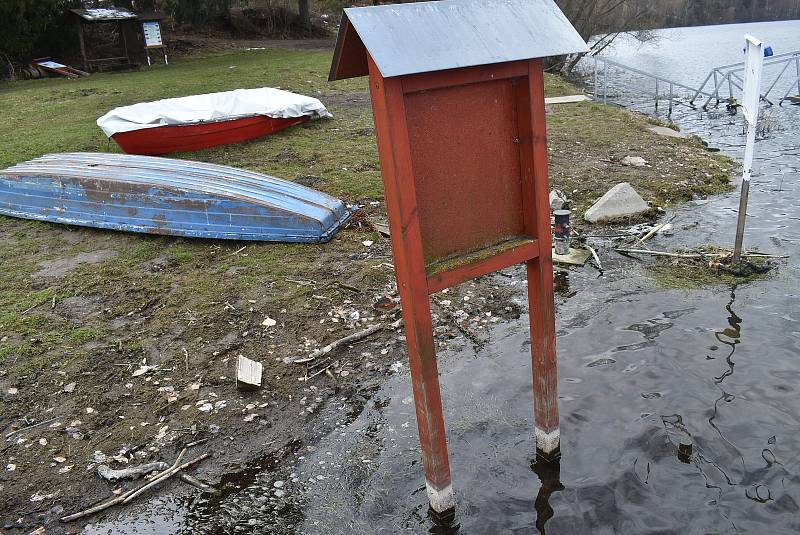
column 620, row 201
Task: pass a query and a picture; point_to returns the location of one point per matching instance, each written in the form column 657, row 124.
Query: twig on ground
column 355, row 337
column 237, row 251
column 193, row 481
column 45, row 422
column 696, row 255
column 596, row 258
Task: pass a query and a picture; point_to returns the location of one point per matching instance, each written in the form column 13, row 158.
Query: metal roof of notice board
column 446, row 34
column 104, row 14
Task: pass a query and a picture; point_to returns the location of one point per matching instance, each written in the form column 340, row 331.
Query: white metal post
column 751, row 102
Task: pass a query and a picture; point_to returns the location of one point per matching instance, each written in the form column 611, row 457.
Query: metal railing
column 601, row 68
column 726, row 75
column 730, row 74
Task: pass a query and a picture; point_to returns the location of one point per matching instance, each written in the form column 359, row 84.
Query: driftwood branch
column 696, row 255
column 164, row 476
column 186, row 478
column 125, row 497
column 355, row 337
column 596, row 258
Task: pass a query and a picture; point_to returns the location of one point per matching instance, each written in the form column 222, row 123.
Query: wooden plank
column 83, row 44
column 471, row 75
column 466, row 200
column 568, row 99
column 395, row 156
column 248, row 373
column 482, row 262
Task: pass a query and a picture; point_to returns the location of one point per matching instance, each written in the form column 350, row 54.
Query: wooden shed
column 458, row 102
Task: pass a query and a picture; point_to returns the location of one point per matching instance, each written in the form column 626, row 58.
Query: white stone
column 635, row 161
column 620, row 201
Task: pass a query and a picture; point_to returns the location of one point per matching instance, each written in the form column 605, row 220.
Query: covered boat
column 202, row 121
column 165, row 196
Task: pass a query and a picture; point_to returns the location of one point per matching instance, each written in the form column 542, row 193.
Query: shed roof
column 448, row 34
column 101, row 14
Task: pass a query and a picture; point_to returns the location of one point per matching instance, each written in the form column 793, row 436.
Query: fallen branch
column 596, row 258
column 34, row 426
column 651, row 233
column 696, row 255
column 133, row 472
column 163, row 476
column 125, row 497
column 355, row 337
column 186, row 478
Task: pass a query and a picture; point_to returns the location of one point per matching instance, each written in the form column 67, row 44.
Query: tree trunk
column 304, row 12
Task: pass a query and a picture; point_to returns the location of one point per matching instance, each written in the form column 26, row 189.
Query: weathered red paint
column 191, row 137
column 540, row 269
column 464, row 161
column 401, row 198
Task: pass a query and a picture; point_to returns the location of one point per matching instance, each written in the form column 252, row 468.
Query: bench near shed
column 458, row 102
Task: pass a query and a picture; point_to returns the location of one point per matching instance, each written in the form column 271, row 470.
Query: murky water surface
column 640, row 368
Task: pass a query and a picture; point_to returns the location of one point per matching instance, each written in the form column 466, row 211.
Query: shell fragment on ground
column 166, row 196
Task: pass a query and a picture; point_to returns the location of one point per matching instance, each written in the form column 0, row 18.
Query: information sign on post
column 751, row 101
column 152, row 34
column 152, row 39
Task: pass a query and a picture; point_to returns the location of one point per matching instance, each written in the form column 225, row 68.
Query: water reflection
column 549, row 472
column 730, row 336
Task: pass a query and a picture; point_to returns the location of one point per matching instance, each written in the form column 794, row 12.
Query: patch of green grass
column 556, row 86
column 82, row 335
column 690, row 273
column 182, row 253
column 689, row 278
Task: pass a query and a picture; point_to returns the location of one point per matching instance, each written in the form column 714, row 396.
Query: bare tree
column 601, row 22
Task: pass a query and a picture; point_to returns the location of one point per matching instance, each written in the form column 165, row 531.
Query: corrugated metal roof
column 99, row 14
column 447, row 34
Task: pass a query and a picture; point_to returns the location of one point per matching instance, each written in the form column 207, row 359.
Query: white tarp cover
column 211, row 107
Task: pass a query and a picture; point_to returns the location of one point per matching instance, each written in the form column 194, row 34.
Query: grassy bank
column 90, row 307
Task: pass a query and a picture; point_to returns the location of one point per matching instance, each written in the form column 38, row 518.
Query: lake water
column 640, row 368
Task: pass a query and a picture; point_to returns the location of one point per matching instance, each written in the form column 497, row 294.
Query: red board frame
column 512, row 238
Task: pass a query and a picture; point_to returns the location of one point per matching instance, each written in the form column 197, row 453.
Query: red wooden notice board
column 463, row 155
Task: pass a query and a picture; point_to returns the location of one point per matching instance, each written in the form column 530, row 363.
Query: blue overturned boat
column 166, row 196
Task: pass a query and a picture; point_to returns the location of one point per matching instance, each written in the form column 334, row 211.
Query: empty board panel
column 465, row 152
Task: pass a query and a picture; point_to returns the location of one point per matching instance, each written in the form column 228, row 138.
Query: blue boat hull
column 165, row 196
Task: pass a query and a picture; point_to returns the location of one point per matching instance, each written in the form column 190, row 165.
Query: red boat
column 202, row 121
column 191, row 137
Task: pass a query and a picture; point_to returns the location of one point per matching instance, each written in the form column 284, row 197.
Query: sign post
column 152, row 39
column 751, row 100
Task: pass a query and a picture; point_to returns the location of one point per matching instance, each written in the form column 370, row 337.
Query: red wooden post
column 540, row 281
column 395, row 154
